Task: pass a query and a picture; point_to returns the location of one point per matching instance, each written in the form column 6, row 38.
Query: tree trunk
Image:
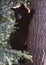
column 37, row 33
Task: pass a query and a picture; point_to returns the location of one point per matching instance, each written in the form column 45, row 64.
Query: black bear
column 23, row 16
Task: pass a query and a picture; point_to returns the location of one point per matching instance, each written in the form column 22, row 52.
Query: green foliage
column 6, row 27
column 9, row 56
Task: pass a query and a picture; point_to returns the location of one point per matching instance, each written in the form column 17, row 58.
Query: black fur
column 19, row 37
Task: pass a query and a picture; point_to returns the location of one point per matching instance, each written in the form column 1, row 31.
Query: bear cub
column 23, row 17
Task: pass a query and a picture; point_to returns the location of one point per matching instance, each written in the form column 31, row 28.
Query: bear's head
column 21, row 11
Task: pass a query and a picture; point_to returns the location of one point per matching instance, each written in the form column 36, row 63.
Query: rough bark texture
column 37, row 33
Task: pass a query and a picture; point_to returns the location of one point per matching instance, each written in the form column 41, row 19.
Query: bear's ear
column 28, row 9
column 15, row 7
column 30, row 15
column 12, row 9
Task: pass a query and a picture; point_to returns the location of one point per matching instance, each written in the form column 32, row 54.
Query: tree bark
column 37, row 33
